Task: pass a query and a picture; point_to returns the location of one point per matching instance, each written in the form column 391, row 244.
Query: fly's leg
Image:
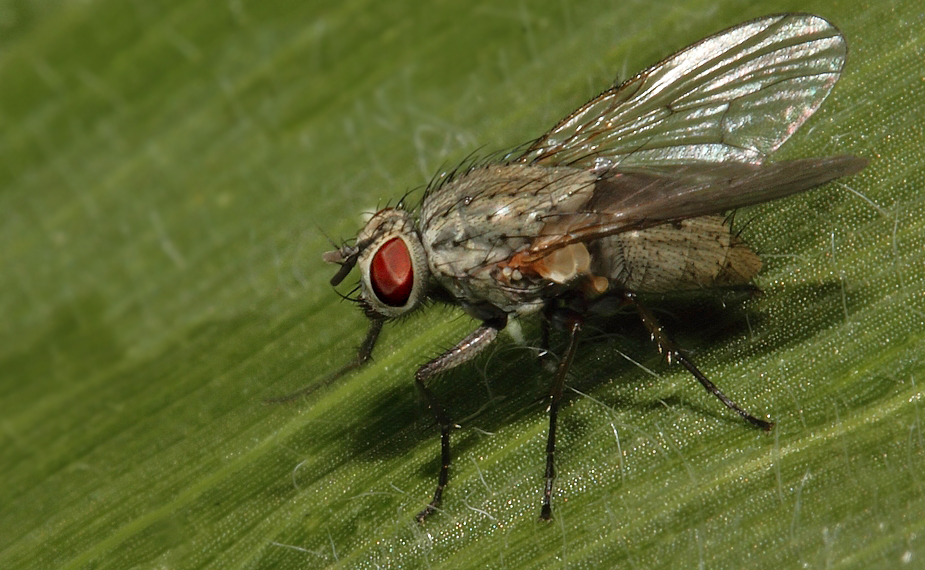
column 466, row 350
column 574, row 327
column 544, row 338
column 545, row 357
column 364, row 355
column 673, row 353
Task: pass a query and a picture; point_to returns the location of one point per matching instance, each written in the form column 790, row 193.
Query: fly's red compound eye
column 391, row 273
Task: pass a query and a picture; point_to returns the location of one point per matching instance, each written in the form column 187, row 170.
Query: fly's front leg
column 364, row 355
column 573, row 326
column 466, row 350
column 673, row 353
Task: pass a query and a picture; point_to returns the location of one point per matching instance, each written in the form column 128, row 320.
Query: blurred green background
column 167, row 171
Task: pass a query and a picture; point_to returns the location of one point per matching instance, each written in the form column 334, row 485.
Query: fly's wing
column 631, row 199
column 735, row 96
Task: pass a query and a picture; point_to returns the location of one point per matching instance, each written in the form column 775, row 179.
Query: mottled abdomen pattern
column 690, row 254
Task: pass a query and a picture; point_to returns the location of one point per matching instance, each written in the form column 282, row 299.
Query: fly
column 624, row 196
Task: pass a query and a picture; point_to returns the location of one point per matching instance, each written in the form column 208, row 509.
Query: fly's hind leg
column 673, row 353
column 464, row 351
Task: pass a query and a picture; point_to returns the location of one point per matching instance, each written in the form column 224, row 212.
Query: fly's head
column 392, row 262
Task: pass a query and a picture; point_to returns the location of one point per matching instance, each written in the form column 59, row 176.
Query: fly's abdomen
column 691, row 254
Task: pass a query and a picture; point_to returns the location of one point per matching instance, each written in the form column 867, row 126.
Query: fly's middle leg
column 545, row 357
column 674, row 354
column 464, row 351
column 573, row 325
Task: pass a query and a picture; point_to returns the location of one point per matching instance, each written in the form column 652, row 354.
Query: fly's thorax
column 475, row 223
column 496, row 210
column 392, row 263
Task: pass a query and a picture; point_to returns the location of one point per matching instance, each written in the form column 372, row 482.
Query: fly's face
column 392, row 263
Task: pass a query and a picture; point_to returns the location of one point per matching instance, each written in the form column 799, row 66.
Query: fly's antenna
column 347, row 256
column 345, row 268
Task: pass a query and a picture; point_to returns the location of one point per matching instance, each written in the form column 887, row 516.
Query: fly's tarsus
column 673, row 354
column 364, row 355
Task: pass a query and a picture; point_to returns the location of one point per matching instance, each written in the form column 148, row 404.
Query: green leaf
column 168, row 171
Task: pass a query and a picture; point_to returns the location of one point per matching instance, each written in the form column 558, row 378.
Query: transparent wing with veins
column 735, row 96
column 689, row 136
column 639, row 199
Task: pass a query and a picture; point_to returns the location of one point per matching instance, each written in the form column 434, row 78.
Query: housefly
column 624, row 196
